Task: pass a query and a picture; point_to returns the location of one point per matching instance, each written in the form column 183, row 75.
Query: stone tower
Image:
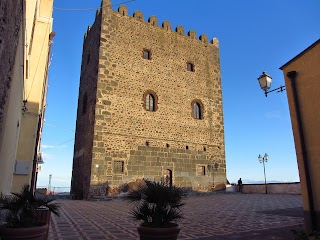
column 150, row 106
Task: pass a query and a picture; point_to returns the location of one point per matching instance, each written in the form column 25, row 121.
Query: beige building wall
column 12, row 121
column 38, row 29
column 23, row 73
column 306, row 65
column 11, row 87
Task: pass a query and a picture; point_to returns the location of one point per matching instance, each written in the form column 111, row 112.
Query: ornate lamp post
column 265, row 83
column 49, row 185
column 263, row 160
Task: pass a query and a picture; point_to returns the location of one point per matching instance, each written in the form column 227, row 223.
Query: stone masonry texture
column 113, row 125
column 10, row 20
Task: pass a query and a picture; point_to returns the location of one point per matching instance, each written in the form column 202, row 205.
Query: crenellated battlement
column 166, row 25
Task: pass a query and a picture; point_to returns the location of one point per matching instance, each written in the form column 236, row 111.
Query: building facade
column 25, row 39
column 302, row 78
column 150, row 106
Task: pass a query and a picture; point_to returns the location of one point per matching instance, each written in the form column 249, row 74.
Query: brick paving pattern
column 216, row 216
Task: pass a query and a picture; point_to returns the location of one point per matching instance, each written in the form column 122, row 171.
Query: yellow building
column 302, row 77
column 24, row 60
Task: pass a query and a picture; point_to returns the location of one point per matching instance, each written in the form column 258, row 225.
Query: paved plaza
column 215, row 216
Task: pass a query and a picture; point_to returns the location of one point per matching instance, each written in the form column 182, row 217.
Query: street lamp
column 263, row 160
column 265, row 83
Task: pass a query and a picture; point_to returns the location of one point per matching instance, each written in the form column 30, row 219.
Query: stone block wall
column 149, row 142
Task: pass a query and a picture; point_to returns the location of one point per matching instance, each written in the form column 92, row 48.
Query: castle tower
column 150, row 106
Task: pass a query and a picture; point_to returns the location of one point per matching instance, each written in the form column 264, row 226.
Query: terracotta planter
column 31, row 233
column 170, row 232
column 44, row 215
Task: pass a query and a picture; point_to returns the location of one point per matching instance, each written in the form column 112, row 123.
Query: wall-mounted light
column 265, row 82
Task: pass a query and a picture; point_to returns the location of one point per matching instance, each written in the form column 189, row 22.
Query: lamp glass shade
column 260, row 158
column 265, row 81
column 266, row 157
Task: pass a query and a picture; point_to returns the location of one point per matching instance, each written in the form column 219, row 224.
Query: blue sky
column 254, row 36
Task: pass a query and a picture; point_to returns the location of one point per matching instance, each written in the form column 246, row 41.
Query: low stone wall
column 44, row 191
column 277, row 188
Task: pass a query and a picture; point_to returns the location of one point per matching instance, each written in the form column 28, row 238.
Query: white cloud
column 52, row 146
column 274, row 114
column 46, row 156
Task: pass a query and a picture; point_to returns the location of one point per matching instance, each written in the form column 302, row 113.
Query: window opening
column 150, row 106
column 88, row 59
column 146, row 54
column 201, row 170
column 118, row 167
column 84, row 103
column 190, row 67
column 197, row 111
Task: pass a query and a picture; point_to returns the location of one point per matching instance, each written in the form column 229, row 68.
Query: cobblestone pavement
column 216, row 216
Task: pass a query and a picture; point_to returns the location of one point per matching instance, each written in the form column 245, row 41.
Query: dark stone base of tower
column 150, row 107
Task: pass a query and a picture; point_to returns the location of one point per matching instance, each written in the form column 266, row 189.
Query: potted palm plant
column 25, row 215
column 158, row 207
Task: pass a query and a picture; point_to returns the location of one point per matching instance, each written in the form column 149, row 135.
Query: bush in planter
column 157, row 206
column 23, row 211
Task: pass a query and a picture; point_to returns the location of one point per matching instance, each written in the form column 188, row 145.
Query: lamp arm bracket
column 279, row 89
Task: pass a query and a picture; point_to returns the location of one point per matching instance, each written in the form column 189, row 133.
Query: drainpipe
column 292, row 76
column 35, row 157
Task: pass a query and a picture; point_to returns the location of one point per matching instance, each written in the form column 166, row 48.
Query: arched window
column 150, row 101
column 197, row 109
column 190, row 67
column 147, row 54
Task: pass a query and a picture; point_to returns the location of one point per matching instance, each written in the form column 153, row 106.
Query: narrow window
column 150, row 106
column 190, row 67
column 84, row 103
column 203, row 170
column 197, row 111
column 88, row 58
column 168, row 145
column 27, row 69
column 147, row 144
column 146, row 54
column 150, row 101
column 204, row 149
column 118, row 167
column 187, row 147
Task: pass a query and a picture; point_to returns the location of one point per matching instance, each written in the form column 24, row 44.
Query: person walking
column 240, row 185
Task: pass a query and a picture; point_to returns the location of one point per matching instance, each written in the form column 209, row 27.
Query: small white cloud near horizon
column 52, row 146
column 47, row 156
column 273, row 114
